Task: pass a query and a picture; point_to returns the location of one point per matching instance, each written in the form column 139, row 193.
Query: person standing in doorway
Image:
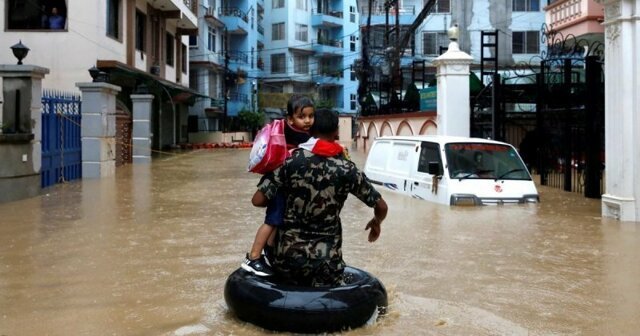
column 56, row 21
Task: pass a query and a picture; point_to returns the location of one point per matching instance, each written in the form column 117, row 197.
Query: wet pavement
column 148, row 253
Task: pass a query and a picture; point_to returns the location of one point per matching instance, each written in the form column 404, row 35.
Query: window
column 526, row 5
column 432, row 41
column 430, row 152
column 170, row 42
column 211, row 40
column 113, row 18
column 302, row 32
column 441, row 6
column 277, row 31
column 141, row 22
column 352, row 13
column 185, row 58
column 278, row 3
column 36, row 15
column 301, row 4
column 278, row 63
column 353, row 43
column 353, row 102
column 353, row 74
column 193, row 41
column 525, row 42
column 301, row 64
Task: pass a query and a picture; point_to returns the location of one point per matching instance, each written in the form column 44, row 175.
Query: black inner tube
column 280, row 307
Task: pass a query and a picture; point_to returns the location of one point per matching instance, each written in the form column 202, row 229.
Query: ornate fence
column 61, row 141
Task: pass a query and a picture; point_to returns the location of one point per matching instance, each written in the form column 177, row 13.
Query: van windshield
column 484, row 161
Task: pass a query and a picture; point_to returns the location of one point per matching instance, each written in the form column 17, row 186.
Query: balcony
column 378, row 15
column 235, row 19
column 210, row 17
column 326, row 18
column 581, row 18
column 181, row 10
column 328, row 47
column 328, row 77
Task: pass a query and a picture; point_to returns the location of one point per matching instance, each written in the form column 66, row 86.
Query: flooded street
column 148, row 253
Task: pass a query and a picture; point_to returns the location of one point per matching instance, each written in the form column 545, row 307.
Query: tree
column 250, row 121
column 324, row 103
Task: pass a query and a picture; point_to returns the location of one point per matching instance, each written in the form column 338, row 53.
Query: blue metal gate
column 61, row 145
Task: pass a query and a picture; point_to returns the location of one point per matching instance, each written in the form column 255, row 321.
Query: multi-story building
column 517, row 23
column 580, row 18
column 310, row 49
column 133, row 42
column 225, row 60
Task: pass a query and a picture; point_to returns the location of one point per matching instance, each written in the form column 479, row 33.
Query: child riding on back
column 300, row 116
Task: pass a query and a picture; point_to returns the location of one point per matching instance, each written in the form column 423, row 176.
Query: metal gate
column 61, row 141
column 552, row 109
column 124, row 125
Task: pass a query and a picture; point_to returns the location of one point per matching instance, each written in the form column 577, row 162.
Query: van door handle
column 416, row 183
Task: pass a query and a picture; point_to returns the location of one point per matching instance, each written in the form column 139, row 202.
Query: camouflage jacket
column 309, row 243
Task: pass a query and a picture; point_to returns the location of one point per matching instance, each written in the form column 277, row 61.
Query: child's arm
column 259, row 199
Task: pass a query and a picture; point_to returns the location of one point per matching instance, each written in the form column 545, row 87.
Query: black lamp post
column 20, row 51
column 93, row 72
column 97, row 75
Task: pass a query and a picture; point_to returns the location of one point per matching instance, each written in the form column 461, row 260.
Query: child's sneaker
column 267, row 253
column 257, row 267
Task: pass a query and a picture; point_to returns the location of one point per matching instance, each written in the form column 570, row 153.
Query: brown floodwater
column 148, row 253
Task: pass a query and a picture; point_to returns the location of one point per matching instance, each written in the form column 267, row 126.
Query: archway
column 429, row 128
column 386, row 129
column 404, row 128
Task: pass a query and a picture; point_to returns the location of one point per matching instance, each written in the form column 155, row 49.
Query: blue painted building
column 310, row 46
column 225, row 62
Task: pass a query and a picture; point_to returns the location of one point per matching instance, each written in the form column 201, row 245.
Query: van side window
column 429, row 152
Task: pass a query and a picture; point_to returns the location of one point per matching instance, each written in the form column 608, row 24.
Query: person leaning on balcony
column 56, row 21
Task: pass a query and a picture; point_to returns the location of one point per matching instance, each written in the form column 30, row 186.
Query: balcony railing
column 233, row 11
column 260, row 29
column 583, row 15
column 330, row 12
column 329, row 42
column 330, row 72
column 238, row 56
column 380, row 10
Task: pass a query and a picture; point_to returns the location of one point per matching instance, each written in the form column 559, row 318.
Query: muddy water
column 148, row 252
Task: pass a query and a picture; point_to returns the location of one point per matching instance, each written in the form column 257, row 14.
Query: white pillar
column 21, row 147
column 622, row 110
column 454, row 109
column 98, row 129
column 141, row 137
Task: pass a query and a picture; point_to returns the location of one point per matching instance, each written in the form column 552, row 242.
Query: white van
column 451, row 170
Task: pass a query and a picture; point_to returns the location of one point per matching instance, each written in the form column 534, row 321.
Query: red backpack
column 269, row 148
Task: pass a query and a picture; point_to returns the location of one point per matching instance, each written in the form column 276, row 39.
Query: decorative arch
column 404, row 128
column 372, row 132
column 362, row 130
column 386, row 128
column 429, row 128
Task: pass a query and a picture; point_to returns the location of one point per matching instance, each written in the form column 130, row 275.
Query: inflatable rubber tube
column 267, row 304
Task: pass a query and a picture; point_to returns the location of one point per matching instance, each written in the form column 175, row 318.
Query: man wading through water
column 316, row 180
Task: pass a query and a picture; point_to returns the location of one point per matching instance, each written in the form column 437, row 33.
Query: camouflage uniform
column 309, row 242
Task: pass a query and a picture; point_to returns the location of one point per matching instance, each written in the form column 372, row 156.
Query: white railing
column 565, row 12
